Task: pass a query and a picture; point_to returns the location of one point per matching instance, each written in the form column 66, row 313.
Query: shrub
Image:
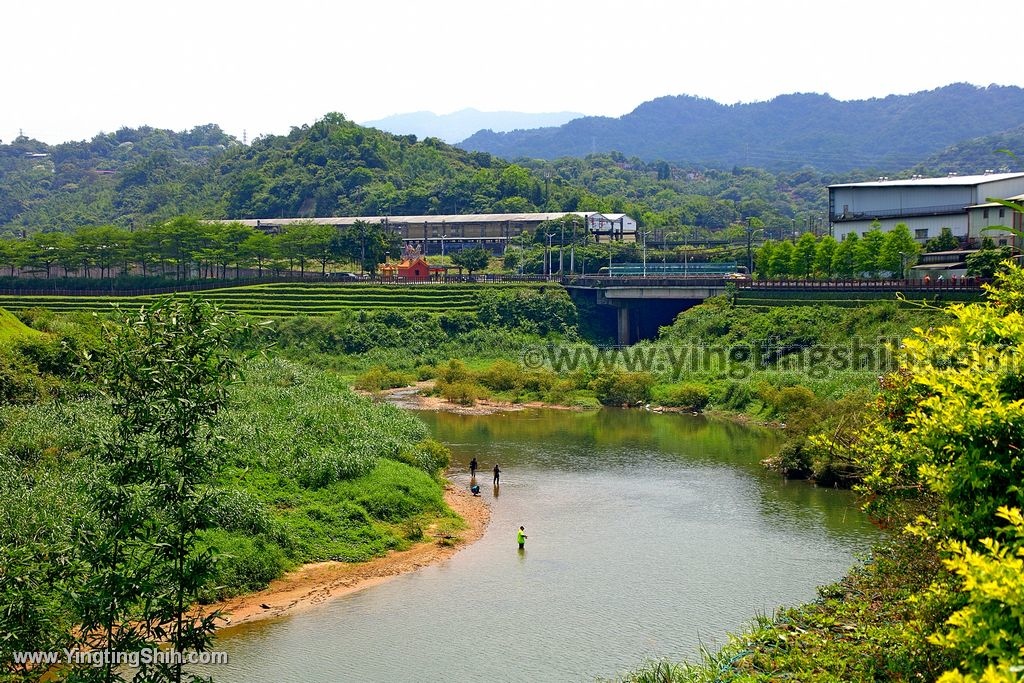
column 617, row 388
column 428, row 455
column 687, row 395
column 453, row 371
column 323, row 466
column 503, row 375
column 793, row 460
column 733, row 395
column 239, row 510
column 464, row 392
column 988, row 631
column 788, row 400
column 378, row 378
column 245, row 564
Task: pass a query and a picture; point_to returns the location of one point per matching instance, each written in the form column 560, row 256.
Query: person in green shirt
column 521, row 537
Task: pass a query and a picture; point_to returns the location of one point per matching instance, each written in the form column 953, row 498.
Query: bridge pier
column 643, row 305
column 623, row 327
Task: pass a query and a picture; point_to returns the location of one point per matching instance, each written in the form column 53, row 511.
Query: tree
column 321, row 244
column 144, row 247
column 47, row 249
column 899, row 251
column 229, row 239
column 293, row 243
column 782, row 259
column 368, row 244
column 844, row 260
column 946, row 241
column 166, row 370
column 823, row 256
column 987, row 262
column 180, row 239
column 473, row 259
column 803, row 255
column 868, row 250
column 763, row 259
column 946, row 438
column 260, row 248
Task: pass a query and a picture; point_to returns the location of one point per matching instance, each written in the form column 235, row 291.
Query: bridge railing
column 958, row 284
column 601, row 282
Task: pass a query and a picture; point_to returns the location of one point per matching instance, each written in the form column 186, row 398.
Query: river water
column 649, row 535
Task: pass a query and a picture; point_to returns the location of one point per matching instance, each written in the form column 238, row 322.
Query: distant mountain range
column 461, row 124
column 788, row 132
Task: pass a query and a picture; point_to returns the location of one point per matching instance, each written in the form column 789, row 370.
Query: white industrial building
column 493, row 231
column 926, row 205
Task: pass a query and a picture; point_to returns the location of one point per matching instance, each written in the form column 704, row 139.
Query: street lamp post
column 644, row 235
column 572, row 251
column 443, row 273
column 750, row 241
column 561, row 250
column 362, row 250
column 547, row 256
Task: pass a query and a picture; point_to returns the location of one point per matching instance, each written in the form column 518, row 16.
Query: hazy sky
column 72, row 69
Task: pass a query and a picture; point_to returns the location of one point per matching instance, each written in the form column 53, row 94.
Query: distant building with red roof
column 413, row 268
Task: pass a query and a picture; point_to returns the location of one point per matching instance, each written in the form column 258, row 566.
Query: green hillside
column 288, row 299
column 787, row 133
column 11, row 327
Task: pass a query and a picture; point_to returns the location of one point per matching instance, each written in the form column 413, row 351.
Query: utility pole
column 750, row 241
column 644, row 235
column 547, row 254
column 561, row 249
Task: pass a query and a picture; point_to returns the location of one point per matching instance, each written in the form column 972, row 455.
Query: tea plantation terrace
column 292, row 298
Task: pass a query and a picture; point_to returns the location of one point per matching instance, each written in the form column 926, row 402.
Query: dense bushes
column 311, row 472
column 621, row 388
column 686, row 395
column 544, row 311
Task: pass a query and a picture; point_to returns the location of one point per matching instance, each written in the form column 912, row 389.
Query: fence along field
column 287, row 299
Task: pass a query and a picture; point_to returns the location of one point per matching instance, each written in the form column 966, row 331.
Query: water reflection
column 648, row 535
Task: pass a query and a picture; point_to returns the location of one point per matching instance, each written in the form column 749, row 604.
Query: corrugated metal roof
column 440, row 219
column 947, row 181
column 989, row 205
column 939, row 266
column 443, row 218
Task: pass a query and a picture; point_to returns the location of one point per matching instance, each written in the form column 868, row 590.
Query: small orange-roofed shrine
column 412, row 267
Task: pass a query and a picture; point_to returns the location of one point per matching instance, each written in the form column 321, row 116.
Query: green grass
column 12, row 328
column 308, row 472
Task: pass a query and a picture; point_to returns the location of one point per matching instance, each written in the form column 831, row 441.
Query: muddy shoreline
column 316, row 583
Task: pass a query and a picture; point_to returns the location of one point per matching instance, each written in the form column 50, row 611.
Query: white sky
column 71, row 69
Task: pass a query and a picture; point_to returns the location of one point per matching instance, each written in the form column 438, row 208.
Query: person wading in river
column 472, row 467
column 497, row 474
column 521, row 538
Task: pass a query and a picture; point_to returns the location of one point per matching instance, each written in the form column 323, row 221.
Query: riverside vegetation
column 279, row 467
column 940, row 464
column 285, row 500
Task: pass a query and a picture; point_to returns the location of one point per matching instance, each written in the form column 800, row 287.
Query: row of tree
column 869, row 256
column 187, row 247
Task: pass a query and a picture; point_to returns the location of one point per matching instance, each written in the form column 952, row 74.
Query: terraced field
column 287, row 299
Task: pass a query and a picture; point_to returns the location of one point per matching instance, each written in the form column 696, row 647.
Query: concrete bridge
column 643, row 304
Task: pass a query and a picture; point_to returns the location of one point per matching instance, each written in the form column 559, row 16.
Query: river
column 649, row 535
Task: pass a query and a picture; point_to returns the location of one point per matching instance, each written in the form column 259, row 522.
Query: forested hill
column 137, row 177
column 994, row 152
column 332, row 167
column 788, row 132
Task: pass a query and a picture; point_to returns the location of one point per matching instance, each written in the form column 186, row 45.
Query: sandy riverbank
column 413, row 398
column 315, row 583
